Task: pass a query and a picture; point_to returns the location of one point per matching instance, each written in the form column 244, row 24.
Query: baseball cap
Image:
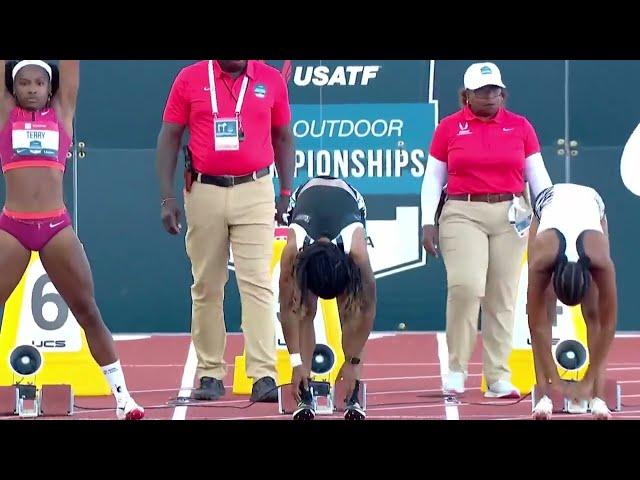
column 479, row 75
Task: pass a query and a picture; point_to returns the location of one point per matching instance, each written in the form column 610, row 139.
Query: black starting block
column 27, row 401
column 321, row 393
column 612, row 397
column 326, row 399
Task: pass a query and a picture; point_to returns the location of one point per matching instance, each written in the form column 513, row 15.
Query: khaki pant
column 482, row 255
column 243, row 217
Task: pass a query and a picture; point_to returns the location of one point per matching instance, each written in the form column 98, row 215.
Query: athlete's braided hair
column 326, row 271
column 571, row 280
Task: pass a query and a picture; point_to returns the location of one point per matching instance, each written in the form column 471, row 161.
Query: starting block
column 327, row 399
column 612, row 397
column 7, row 401
column 27, row 401
column 321, row 393
column 56, row 400
column 286, row 402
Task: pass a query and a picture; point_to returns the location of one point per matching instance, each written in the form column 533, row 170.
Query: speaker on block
column 25, row 361
column 571, row 354
column 323, row 359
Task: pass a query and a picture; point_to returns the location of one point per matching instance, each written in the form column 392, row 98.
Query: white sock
column 115, row 377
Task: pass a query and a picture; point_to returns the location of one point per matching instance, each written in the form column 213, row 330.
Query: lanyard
column 212, row 91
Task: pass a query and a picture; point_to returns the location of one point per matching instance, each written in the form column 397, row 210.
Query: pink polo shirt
column 266, row 105
column 484, row 157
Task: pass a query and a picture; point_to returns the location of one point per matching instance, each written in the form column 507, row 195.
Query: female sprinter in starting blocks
column 569, row 259
column 326, row 256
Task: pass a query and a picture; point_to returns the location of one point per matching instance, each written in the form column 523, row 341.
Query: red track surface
column 402, row 375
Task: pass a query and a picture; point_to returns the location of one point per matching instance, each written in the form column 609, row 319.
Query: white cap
column 479, row 75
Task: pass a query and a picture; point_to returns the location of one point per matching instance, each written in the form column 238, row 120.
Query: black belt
column 229, row 180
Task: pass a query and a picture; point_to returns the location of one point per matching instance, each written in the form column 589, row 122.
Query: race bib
column 226, row 134
column 35, row 138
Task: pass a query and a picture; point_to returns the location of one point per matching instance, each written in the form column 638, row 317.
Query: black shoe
column 353, row 411
column 210, row 389
column 265, row 391
column 304, row 411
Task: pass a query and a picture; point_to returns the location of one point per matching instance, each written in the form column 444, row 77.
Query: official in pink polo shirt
column 484, row 154
column 238, row 116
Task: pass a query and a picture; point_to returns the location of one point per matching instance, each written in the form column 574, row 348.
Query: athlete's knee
column 85, row 310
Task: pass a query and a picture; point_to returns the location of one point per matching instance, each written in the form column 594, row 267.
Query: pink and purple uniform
column 34, row 139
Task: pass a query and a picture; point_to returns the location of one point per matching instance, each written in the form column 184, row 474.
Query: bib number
column 35, row 139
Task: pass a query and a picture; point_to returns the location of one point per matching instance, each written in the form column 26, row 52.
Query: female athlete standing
column 36, row 124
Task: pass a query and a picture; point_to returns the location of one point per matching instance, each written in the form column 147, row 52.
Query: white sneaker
column 599, row 409
column 129, row 410
column 502, row 389
column 543, row 409
column 453, row 383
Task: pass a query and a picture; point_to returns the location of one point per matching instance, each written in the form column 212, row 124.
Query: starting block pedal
column 326, row 399
column 27, row 401
column 612, row 397
column 8, row 400
column 321, row 392
column 341, row 395
column 286, row 402
column 56, row 400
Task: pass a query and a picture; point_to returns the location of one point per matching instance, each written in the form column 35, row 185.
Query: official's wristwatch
column 352, row 360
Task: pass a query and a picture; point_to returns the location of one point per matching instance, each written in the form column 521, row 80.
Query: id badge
column 226, row 134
